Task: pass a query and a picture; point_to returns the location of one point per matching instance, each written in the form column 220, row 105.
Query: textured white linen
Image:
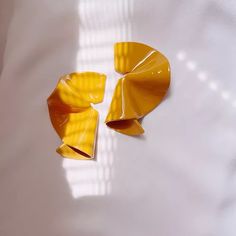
column 178, row 180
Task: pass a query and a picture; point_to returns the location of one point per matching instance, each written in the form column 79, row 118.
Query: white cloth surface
column 179, row 179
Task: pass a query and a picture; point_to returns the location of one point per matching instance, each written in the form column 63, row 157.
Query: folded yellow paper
column 72, row 115
column 144, row 84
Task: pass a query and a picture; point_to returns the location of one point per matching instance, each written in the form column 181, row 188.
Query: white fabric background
column 177, row 180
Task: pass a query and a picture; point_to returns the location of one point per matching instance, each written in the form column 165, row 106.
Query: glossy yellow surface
column 72, row 115
column 144, row 84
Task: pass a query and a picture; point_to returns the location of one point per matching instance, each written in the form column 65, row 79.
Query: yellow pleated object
column 72, row 115
column 144, row 84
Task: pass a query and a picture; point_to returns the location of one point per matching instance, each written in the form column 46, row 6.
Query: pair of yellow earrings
column 145, row 81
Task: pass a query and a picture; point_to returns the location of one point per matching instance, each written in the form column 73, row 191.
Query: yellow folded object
column 72, row 115
column 144, row 84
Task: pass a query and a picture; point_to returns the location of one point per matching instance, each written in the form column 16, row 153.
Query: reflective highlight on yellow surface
column 144, row 84
column 72, row 115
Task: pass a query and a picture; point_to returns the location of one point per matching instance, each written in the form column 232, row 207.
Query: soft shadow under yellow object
column 72, row 115
column 144, row 84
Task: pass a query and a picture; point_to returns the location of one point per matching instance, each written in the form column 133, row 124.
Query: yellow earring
column 72, row 115
column 145, row 81
column 144, row 84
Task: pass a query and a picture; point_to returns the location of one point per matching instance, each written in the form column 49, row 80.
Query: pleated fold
column 72, row 115
column 145, row 81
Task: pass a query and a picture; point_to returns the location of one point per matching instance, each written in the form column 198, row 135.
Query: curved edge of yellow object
column 145, row 81
column 72, row 115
